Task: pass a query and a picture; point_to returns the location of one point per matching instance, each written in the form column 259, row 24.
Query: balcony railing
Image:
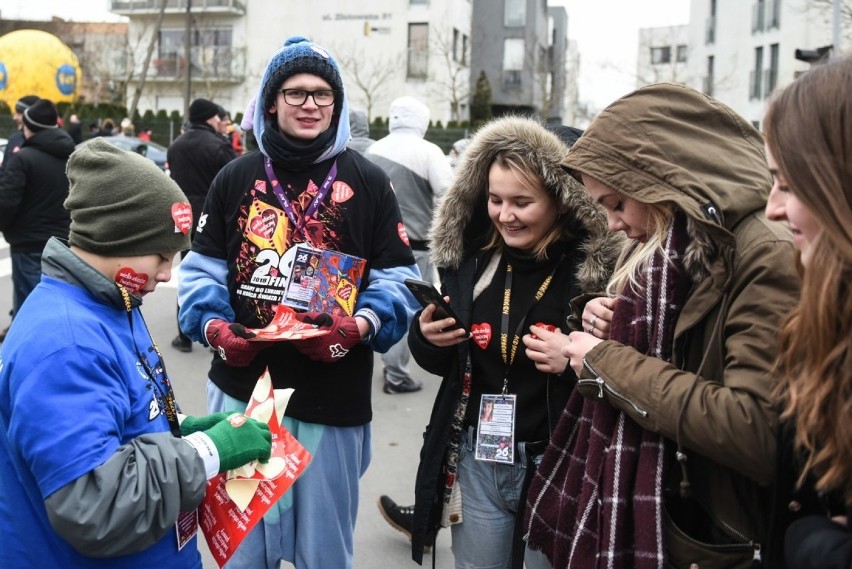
column 707, row 85
column 209, row 63
column 139, row 7
column 770, row 79
column 755, row 81
column 512, row 79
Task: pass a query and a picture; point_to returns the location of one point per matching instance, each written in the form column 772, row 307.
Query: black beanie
column 123, row 205
column 24, row 103
column 40, row 115
column 202, row 109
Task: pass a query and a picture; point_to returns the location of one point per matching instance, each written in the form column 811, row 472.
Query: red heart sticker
column 182, row 215
column 345, row 291
column 341, row 192
column 263, row 225
column 403, row 233
column 481, row 334
column 130, row 279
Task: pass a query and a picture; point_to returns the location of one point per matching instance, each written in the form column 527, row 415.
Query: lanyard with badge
column 495, row 432
column 299, row 226
column 163, row 400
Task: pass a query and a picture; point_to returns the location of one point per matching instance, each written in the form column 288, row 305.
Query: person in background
column 302, row 189
column 664, row 453
column 808, row 129
column 16, row 139
column 107, row 128
column 98, row 468
column 75, row 129
column 224, row 122
column 33, row 187
column 194, row 158
column 420, row 174
column 359, row 125
column 145, row 134
column 456, row 151
column 13, row 144
column 517, row 239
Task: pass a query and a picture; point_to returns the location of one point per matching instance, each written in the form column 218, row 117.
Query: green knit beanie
column 123, row 205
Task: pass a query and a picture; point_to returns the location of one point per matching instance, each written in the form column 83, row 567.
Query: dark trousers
column 26, row 274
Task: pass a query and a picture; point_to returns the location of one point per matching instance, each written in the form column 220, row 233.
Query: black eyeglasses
column 297, row 97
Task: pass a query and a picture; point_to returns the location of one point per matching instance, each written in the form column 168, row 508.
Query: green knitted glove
column 240, row 440
column 190, row 425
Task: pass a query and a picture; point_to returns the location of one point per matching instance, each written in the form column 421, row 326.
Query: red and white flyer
column 236, row 500
column 285, row 326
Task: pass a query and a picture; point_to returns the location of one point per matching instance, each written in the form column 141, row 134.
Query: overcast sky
column 606, row 32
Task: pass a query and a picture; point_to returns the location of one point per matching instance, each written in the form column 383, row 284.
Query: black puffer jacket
column 195, row 157
column 458, row 232
column 33, row 187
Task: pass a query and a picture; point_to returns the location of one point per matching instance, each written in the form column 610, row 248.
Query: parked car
column 151, row 150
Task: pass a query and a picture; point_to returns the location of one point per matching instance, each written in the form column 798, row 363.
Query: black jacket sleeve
column 816, row 542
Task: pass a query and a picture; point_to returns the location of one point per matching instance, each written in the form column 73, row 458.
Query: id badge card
column 186, row 527
column 495, row 435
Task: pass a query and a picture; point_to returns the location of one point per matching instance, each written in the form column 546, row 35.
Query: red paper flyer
column 285, row 326
column 225, row 523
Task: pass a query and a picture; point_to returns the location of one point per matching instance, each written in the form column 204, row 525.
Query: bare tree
column 368, row 73
column 143, row 74
column 454, row 87
column 823, row 11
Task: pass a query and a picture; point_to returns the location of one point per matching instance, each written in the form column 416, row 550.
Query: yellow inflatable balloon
column 33, row 62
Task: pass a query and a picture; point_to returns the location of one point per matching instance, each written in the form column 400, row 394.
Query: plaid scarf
column 596, row 500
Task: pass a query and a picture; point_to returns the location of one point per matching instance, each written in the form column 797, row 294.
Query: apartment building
column 740, row 52
column 662, row 55
column 431, row 49
column 385, row 49
column 521, row 47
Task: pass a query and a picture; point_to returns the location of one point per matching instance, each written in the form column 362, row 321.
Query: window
column 661, row 55
column 418, row 51
column 682, row 52
column 709, row 79
column 211, row 52
column 756, row 78
column 515, row 13
column 464, row 49
column 771, row 74
column 773, row 14
column 456, row 45
column 758, row 12
column 710, row 25
column 513, row 61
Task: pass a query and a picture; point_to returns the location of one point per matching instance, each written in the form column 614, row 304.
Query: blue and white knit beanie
column 300, row 55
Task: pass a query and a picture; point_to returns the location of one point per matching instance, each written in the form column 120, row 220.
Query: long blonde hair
column 636, row 256
column 809, row 132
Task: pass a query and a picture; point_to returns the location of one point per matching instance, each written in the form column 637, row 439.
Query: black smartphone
column 427, row 294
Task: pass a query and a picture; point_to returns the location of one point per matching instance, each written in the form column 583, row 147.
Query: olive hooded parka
column 670, row 144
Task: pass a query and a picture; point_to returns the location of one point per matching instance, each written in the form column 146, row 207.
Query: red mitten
column 342, row 336
column 231, row 342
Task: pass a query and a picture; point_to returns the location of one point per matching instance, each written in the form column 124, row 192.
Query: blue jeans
column 491, row 496
column 313, row 525
column 26, row 274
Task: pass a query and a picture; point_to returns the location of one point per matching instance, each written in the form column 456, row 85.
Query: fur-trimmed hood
column 461, row 224
column 670, row 143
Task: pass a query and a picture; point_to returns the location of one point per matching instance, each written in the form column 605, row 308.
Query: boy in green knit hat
column 95, row 460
